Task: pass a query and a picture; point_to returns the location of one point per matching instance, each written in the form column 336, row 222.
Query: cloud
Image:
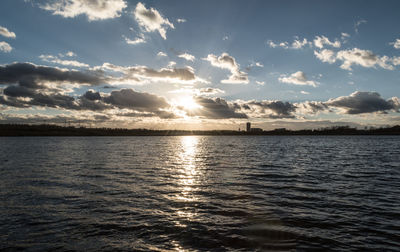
column 5, row 47
column 298, row 78
column 6, row 33
column 171, row 64
column 70, row 54
column 181, row 20
column 151, row 20
column 396, row 61
column 358, row 23
column 225, row 38
column 272, row 44
column 296, row 44
column 320, row 41
column 396, row 44
column 93, row 9
column 32, row 85
column 364, row 102
column 363, row 58
column 141, row 73
column 130, row 99
column 261, row 83
column 304, row 92
column 210, row 91
column 254, row 64
column 161, row 54
column 345, row 35
column 56, row 60
column 326, row 55
column 311, row 107
column 225, row 61
column 215, row 108
column 35, row 76
column 22, row 96
column 187, row 56
column 271, row 109
column 138, row 40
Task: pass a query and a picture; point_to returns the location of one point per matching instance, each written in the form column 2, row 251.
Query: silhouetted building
column 248, row 126
column 256, row 130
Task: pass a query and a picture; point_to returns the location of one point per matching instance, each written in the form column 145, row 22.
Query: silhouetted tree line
column 55, row 130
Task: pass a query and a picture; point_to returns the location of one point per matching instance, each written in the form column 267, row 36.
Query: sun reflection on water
column 188, row 173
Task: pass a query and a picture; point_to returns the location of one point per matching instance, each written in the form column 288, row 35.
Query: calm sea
column 200, row 193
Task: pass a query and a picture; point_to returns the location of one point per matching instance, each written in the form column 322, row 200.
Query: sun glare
column 188, row 103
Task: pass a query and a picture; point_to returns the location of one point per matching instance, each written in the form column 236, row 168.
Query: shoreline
column 54, row 130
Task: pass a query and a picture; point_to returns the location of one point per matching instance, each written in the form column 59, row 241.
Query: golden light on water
column 188, row 171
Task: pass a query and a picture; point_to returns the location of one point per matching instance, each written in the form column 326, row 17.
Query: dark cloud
column 19, row 91
column 279, row 109
column 215, row 108
column 130, row 99
column 364, row 102
column 17, row 96
column 313, row 107
column 91, row 95
column 32, row 76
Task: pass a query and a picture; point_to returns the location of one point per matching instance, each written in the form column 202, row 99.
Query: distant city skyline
column 200, row 65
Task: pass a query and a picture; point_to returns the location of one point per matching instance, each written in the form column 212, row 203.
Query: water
column 200, row 193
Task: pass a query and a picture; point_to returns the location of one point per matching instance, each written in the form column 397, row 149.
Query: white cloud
column 254, row 64
column 171, row 64
column 151, row 20
column 181, row 20
column 70, row 54
column 5, row 47
column 296, row 44
column 225, row 61
column 345, row 35
column 258, row 64
column 138, row 40
column 326, row 55
column 93, row 9
column 363, row 58
column 225, row 38
column 187, row 56
column 56, row 60
column 6, row 33
column 396, row 61
column 304, row 92
column 261, row 83
column 272, row 44
column 161, row 54
column 396, row 44
column 320, row 41
column 297, row 78
column 358, row 23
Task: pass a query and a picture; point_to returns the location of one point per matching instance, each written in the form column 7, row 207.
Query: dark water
column 200, row 193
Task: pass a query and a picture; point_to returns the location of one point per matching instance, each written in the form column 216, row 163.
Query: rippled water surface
column 200, row 193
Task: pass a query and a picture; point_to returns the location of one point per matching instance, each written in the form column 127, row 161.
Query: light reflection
column 188, row 172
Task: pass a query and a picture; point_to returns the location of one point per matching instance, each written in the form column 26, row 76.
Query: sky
column 200, row 65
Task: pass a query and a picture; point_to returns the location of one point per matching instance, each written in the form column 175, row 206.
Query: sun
column 188, row 103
